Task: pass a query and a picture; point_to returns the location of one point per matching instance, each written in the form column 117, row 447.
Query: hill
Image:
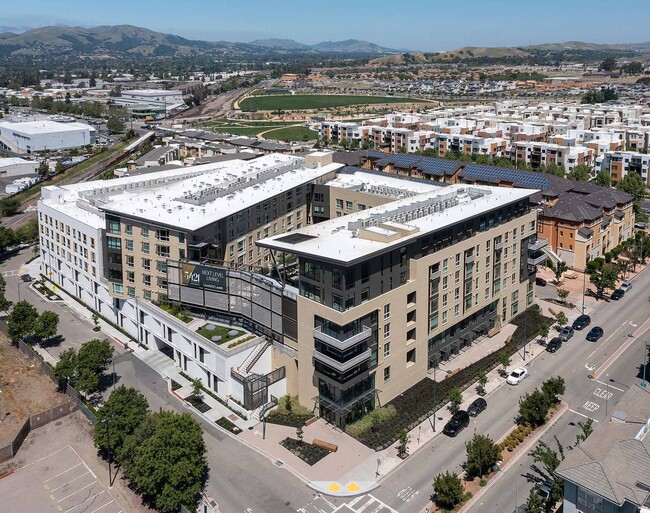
column 280, row 44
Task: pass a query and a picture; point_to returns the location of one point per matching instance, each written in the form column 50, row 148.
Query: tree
column 46, row 325
column 455, row 400
column 92, row 82
column 482, row 380
column 534, row 503
column 504, row 361
column 561, row 319
column 28, row 232
column 67, row 77
column 5, row 304
column 550, row 459
column 586, row 428
column 553, row 388
column 482, row 455
column 562, row 294
column 559, row 269
column 21, row 320
column 403, row 441
column 448, row 490
column 300, row 434
column 9, row 206
column 197, row 390
column 633, row 68
column 7, row 238
column 533, row 408
column 66, row 368
column 93, row 359
column 125, row 410
column 59, row 167
column 608, row 64
column 542, row 330
column 581, row 173
column 603, row 178
column 95, row 319
column 115, row 124
column 603, row 278
column 633, row 184
column 164, row 460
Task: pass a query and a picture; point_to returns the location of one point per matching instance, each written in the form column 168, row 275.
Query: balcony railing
column 537, row 259
column 342, row 366
column 537, row 244
column 342, row 341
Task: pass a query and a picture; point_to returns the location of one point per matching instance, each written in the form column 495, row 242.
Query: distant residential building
column 621, row 163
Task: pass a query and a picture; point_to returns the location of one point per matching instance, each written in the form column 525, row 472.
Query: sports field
column 292, row 133
column 316, row 101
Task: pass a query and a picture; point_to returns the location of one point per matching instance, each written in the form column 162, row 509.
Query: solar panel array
column 426, row 165
column 492, row 174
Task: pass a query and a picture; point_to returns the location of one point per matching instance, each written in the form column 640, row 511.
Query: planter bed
column 198, row 404
column 227, row 424
column 309, row 453
column 291, row 420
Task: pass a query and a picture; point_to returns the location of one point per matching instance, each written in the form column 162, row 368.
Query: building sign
column 204, row 277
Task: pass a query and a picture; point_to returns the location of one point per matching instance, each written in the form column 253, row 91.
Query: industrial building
column 14, row 166
column 157, row 99
column 45, row 135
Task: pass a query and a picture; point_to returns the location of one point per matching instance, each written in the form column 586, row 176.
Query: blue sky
column 427, row 25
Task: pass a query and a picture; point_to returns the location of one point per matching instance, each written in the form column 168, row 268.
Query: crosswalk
column 362, row 504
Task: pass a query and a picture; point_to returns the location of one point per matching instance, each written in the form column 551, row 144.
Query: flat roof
column 152, row 92
column 338, row 240
column 14, row 161
column 192, row 197
column 381, row 185
column 44, row 126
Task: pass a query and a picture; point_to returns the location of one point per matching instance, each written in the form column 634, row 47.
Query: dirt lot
column 26, row 390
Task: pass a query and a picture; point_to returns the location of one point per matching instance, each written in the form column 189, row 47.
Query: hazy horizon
column 417, row 25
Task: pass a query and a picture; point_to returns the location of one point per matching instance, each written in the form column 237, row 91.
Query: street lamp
column 110, row 453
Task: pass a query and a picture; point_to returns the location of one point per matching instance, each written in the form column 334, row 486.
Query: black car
column 477, row 407
column 594, row 334
column 617, row 294
column 554, row 345
column 581, row 322
column 541, row 282
column 457, row 423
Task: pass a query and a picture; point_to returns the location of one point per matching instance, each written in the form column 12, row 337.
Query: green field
column 315, row 101
column 292, row 133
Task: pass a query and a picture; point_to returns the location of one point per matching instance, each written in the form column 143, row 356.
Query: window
column 457, row 294
column 456, row 310
column 162, row 251
column 410, row 357
column 162, row 234
column 145, row 248
column 339, row 203
column 387, row 330
column 387, row 311
column 131, row 291
column 161, row 266
column 386, row 374
column 181, row 237
column 445, row 265
column 128, row 229
column 444, row 283
column 129, row 261
column 118, row 288
column 146, row 279
column 457, row 277
column 386, row 349
column 128, row 244
column 114, row 243
column 113, row 226
column 457, row 259
column 146, row 264
column 589, row 501
column 444, row 317
column 361, row 207
column 145, row 233
column 444, row 299
column 348, row 206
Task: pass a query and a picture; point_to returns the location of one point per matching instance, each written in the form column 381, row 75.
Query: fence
column 31, row 353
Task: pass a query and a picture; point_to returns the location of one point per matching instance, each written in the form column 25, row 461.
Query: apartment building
column 387, row 293
column 538, row 154
column 610, row 471
column 620, row 163
column 472, row 145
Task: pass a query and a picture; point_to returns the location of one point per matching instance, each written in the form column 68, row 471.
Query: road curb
column 563, row 408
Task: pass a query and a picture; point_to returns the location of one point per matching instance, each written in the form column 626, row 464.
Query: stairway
column 254, row 357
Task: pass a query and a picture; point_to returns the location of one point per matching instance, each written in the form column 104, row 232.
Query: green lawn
column 294, row 133
column 218, row 330
column 316, row 101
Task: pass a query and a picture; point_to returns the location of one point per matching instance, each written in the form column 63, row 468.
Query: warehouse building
column 45, row 135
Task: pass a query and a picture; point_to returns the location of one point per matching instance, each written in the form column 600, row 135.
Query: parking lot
column 61, row 482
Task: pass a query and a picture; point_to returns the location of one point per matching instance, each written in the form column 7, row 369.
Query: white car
column 625, row 286
column 517, row 376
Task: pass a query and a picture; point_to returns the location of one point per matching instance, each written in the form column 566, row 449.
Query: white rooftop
column 44, row 126
column 192, row 197
column 341, row 239
column 13, row 161
column 381, row 184
column 151, row 92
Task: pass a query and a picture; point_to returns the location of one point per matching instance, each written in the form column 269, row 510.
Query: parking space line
column 61, row 473
column 109, row 502
column 73, row 493
column 41, row 459
column 88, row 499
column 84, row 463
column 65, row 484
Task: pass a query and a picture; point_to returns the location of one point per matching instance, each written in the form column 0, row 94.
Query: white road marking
column 607, row 339
column 590, row 406
column 78, row 477
column 610, row 386
column 82, row 461
column 73, row 493
column 88, row 499
column 61, row 473
column 583, row 415
column 110, row 502
column 603, row 394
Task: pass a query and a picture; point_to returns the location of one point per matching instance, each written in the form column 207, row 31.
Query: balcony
column 498, row 245
column 435, row 275
column 342, row 341
column 469, row 259
column 536, row 244
column 342, row 366
column 537, row 258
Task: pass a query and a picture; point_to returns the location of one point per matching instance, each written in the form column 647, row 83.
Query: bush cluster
column 516, row 436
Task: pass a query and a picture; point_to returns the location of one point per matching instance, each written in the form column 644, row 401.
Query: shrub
column 289, row 413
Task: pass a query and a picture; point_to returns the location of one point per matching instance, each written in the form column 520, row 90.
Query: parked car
column 544, row 490
column 457, row 423
column 554, row 345
column 26, row 278
column 594, row 334
column 517, row 376
column 477, row 407
column 581, row 322
column 617, row 294
column 626, row 285
column 540, row 282
column 566, row 333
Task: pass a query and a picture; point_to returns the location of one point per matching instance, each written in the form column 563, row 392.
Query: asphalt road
column 408, row 488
